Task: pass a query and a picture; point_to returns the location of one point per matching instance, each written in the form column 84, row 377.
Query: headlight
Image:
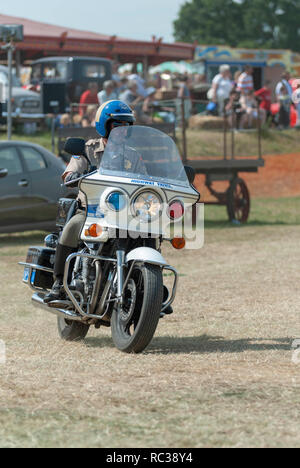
column 147, row 206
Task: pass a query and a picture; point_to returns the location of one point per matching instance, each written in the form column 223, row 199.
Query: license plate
column 26, row 275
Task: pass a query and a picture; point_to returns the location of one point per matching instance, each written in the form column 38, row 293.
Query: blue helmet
column 112, row 111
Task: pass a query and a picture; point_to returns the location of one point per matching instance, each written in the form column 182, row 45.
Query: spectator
column 285, row 77
column 245, row 82
column 88, row 119
column 285, row 102
column 115, row 72
column 140, row 84
column 89, row 97
column 77, row 120
column 249, row 106
column 184, row 93
column 109, row 92
column 131, row 96
column 236, row 77
column 234, row 109
column 221, row 87
column 65, row 121
column 264, row 96
column 296, row 97
column 122, row 85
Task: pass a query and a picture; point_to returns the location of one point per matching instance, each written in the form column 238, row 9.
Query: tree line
column 272, row 24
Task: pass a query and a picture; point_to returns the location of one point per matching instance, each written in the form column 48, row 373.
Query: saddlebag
column 39, row 267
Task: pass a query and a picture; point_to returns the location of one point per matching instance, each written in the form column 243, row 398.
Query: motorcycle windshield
column 143, row 153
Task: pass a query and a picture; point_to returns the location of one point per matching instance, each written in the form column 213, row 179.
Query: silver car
column 30, row 186
column 27, row 105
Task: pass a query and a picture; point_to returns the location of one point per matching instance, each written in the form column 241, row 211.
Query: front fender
column 146, row 255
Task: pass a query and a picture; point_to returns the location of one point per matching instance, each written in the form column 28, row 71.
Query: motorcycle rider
column 110, row 115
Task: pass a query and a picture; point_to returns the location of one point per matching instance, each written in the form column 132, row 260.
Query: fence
column 184, row 112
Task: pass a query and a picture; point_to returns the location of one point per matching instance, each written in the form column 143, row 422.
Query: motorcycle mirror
column 191, row 174
column 75, row 146
column 3, row 173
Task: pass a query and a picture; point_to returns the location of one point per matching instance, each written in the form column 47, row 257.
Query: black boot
column 57, row 292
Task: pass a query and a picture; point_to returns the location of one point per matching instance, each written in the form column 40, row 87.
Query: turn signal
column 178, row 243
column 93, row 231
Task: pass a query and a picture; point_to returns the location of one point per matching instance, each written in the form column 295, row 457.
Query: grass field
column 219, row 372
column 210, row 143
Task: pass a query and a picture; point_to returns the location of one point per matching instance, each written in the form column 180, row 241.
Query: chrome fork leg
column 120, row 274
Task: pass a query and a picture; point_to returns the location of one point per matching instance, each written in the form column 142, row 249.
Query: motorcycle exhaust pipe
column 38, row 301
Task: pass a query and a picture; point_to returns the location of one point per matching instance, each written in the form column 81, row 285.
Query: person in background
column 236, row 77
column 88, row 120
column 149, row 101
column 121, row 85
column 77, row 120
column 221, row 87
column 285, row 77
column 131, row 96
column 65, row 121
column 184, row 94
column 115, row 72
column 264, row 96
column 249, row 106
column 285, row 102
column 296, row 100
column 233, row 109
column 142, row 91
column 89, row 97
column 245, row 82
column 108, row 93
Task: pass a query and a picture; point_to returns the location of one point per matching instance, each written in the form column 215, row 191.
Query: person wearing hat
column 221, row 87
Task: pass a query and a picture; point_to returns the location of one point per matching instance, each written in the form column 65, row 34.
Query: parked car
column 31, row 188
column 27, row 105
column 74, row 72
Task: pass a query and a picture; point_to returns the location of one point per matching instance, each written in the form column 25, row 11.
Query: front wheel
column 134, row 324
column 71, row 331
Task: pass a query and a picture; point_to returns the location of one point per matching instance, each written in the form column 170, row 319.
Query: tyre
column 238, row 201
column 71, row 331
column 133, row 325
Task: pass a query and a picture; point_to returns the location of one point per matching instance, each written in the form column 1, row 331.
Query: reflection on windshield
column 143, row 153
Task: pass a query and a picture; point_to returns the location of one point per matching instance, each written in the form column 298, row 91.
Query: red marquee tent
column 43, row 40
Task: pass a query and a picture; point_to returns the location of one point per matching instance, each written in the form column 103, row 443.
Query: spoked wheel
column 238, row 201
column 133, row 325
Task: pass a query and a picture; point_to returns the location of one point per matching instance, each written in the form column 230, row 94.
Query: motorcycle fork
column 120, row 275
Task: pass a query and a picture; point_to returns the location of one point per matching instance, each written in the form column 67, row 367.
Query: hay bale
column 206, row 122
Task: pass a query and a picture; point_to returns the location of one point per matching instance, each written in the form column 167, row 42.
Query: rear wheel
column 238, row 201
column 133, row 325
column 71, row 331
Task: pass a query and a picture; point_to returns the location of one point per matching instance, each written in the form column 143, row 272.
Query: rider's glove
column 72, row 176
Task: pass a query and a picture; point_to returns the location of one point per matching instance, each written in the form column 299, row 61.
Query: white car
column 27, row 105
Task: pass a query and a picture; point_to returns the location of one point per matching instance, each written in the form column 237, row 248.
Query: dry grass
column 210, row 143
column 218, row 373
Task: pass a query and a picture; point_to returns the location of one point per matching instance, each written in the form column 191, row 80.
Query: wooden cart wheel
column 238, row 201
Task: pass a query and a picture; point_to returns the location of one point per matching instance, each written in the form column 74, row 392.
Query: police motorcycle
column 134, row 203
